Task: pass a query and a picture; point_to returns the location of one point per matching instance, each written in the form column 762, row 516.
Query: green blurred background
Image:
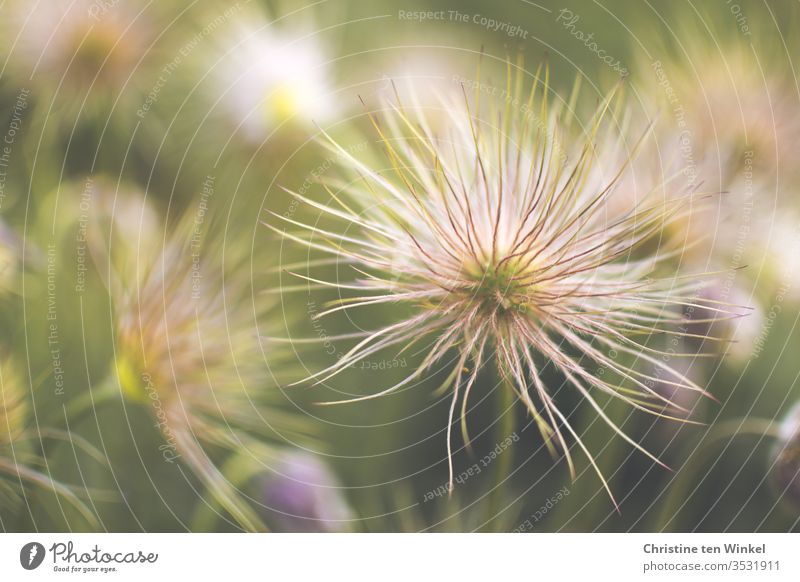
column 378, row 465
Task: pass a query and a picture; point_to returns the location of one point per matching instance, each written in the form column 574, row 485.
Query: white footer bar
column 407, row 557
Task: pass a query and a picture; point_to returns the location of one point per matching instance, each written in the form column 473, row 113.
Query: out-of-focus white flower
column 267, row 76
column 775, row 266
column 786, row 469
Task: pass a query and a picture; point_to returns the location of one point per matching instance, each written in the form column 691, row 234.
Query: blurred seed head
column 71, row 51
column 725, row 106
column 187, row 349
column 726, row 123
column 175, row 327
column 188, row 328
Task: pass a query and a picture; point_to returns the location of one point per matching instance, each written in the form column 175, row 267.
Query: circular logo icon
column 31, row 555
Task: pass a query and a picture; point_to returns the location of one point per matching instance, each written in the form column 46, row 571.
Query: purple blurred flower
column 303, row 496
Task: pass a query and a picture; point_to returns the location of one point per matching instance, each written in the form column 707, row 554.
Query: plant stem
column 725, row 430
column 506, row 425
